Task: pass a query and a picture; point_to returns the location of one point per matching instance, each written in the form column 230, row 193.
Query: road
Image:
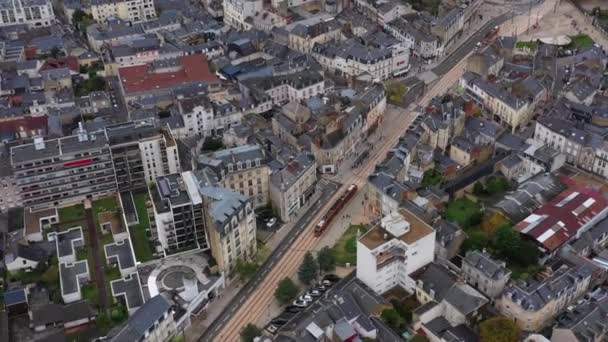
column 328, row 189
column 250, row 308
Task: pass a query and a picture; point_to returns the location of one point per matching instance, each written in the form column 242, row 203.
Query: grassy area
column 464, row 212
column 581, row 41
column 143, row 250
column 532, row 45
column 90, row 293
column 346, row 247
column 71, row 213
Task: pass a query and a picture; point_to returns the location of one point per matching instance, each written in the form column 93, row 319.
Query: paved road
column 328, row 189
column 99, row 264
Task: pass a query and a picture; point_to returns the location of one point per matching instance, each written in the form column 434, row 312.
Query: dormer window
column 230, row 167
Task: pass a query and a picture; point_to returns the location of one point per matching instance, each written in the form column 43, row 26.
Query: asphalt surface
column 328, row 189
column 468, row 46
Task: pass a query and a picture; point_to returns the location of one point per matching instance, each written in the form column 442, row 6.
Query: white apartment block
column 388, row 253
column 130, row 10
column 159, row 157
column 236, row 11
column 33, row 13
column 203, row 118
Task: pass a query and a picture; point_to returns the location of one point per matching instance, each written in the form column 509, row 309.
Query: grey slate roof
column 285, row 178
column 68, row 240
column 120, row 253
column 483, row 262
column 55, row 313
column 129, row 288
column 69, row 276
column 142, row 320
column 224, row 204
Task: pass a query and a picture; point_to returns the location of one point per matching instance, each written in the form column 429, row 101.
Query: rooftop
column 142, row 320
column 378, row 235
column 70, row 275
column 129, row 289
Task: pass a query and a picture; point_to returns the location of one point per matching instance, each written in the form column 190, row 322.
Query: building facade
column 33, row 13
column 129, row 10
column 292, row 186
column 486, row 274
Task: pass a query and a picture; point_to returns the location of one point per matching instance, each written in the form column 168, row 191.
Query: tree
column 507, row 241
column 286, row 291
column 478, row 189
column 392, row 318
column 431, row 177
column 212, row 144
column 249, row 332
column 308, row 269
column 245, row 270
column 497, row 185
column 327, row 259
column 78, row 16
column 498, row 329
column 492, row 221
column 476, row 240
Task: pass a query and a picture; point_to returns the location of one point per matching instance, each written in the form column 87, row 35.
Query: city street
column 251, row 306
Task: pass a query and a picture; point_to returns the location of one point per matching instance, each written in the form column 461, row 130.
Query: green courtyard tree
column 286, row 291
column 308, row 269
column 249, row 332
column 507, row 241
column 245, row 270
column 327, row 259
column 498, row 329
column 392, row 318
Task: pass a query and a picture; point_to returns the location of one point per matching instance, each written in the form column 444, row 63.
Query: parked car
column 271, row 328
column 305, row 298
column 331, row 277
column 293, row 309
column 321, row 288
column 326, row 282
column 300, row 303
column 278, row 322
column 271, row 222
column 313, row 293
column 287, row 315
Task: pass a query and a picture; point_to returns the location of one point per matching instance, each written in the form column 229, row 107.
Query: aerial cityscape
column 304, row 170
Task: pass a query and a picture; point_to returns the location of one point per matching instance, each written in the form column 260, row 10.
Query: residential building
column 292, row 87
column 179, row 214
column 382, row 12
column 305, row 34
column 584, row 321
column 243, row 169
column 232, row 227
column 204, row 118
column 68, row 316
column 128, row 10
column 448, row 239
column 141, row 151
column 415, row 31
column 24, row 257
column 33, row 13
column 56, row 172
column 534, row 304
column 153, row 322
column 292, row 186
column 565, row 217
column 449, row 25
column 485, row 62
column 389, row 252
column 162, row 76
column 443, row 124
column 236, row 12
column 488, row 275
column 385, row 194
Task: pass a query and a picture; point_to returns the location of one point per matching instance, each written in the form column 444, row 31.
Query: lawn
column 527, row 45
column 581, row 41
column 346, row 247
column 71, row 213
column 143, row 251
column 464, row 212
column 89, row 292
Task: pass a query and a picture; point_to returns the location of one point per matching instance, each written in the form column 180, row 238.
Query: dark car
column 331, row 277
column 278, row 322
column 293, row 309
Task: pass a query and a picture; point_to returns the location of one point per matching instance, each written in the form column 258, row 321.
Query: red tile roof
column 142, row 78
column 69, row 62
column 559, row 220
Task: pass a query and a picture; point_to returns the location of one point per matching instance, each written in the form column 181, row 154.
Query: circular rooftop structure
column 558, row 40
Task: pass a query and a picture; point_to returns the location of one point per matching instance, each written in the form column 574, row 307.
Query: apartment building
column 388, row 253
column 152, row 322
column 382, row 12
column 304, row 34
column 237, row 11
column 179, row 216
column 56, row 172
column 243, row 169
column 33, row 13
column 292, row 186
column 231, row 226
column 585, row 321
column 486, row 274
column 415, row 32
column 141, row 152
column 515, row 110
column 292, row 87
column 128, row 10
column 534, row 304
column 204, row 118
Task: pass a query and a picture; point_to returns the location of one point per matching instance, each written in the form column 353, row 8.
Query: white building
column 203, row 118
column 388, row 253
column 130, row 10
column 293, row 87
column 33, row 13
column 292, row 186
column 236, row 11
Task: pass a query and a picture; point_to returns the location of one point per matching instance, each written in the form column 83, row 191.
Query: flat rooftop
column 130, row 289
column 120, row 253
column 377, row 236
column 32, row 219
column 70, row 275
column 68, row 240
column 57, row 147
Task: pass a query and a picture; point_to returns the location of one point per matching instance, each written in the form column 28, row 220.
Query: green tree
column 286, row 291
column 497, row 185
column 212, row 144
column 327, row 259
column 507, row 241
column 308, row 269
column 249, row 332
column 245, row 270
column 78, row 16
column 476, row 240
column 498, row 329
column 528, row 254
column 478, row 189
column 431, row 177
column 392, row 318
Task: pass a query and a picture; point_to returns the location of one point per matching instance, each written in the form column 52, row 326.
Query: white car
column 313, row 293
column 271, row 222
column 300, row 303
column 305, row 298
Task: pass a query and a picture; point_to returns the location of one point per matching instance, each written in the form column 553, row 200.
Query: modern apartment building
column 243, row 169
column 33, row 13
column 388, row 253
column 55, row 172
column 141, row 151
column 533, row 304
column 179, row 215
column 129, row 10
column 292, row 186
column 232, row 227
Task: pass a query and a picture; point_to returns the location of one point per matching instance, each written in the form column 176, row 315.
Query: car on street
column 293, row 309
column 271, row 328
column 331, row 277
column 271, row 222
column 301, row 303
column 305, row 298
column 278, row 322
column 326, row 282
column 313, row 293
